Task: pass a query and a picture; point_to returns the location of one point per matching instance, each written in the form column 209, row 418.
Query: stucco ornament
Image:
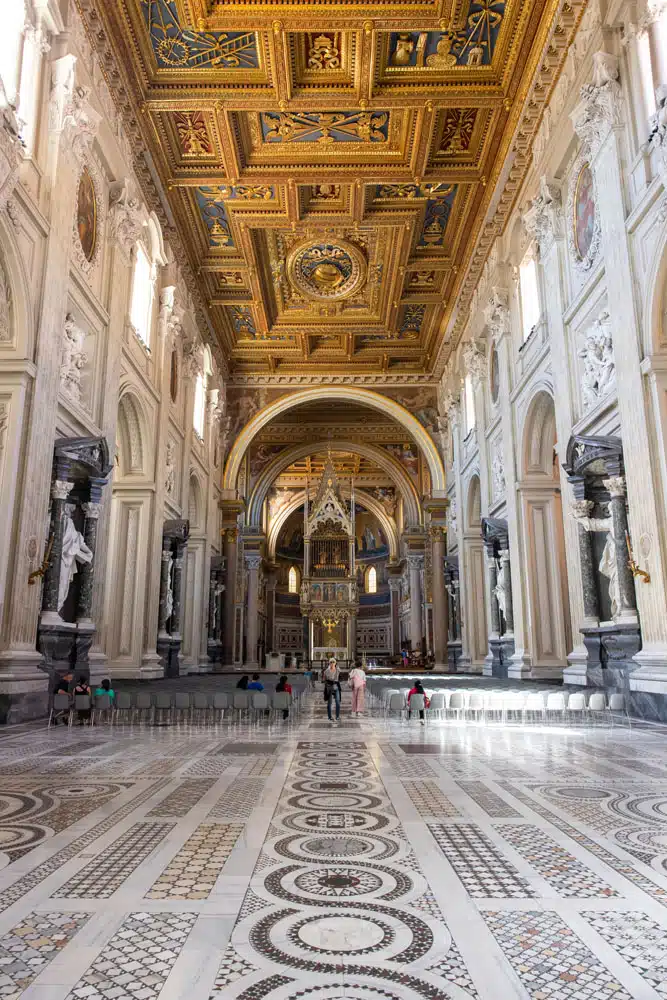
column 127, row 216
column 5, row 307
column 544, row 219
column 170, row 469
column 72, row 359
column 11, row 148
column 497, row 474
column 598, row 377
column 475, row 362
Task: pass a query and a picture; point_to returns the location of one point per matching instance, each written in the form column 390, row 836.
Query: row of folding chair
column 510, row 706
column 162, row 707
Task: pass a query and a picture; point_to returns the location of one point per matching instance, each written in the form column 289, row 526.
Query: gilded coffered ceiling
column 328, row 165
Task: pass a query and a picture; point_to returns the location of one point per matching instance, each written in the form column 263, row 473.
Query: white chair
column 476, row 705
column 597, row 705
column 260, row 703
column 534, row 706
column 438, row 703
column 396, row 704
column 281, row 702
column 556, row 705
column 457, row 703
column 417, row 704
column 513, row 703
column 387, row 695
column 617, row 703
column 220, row 704
column 60, row 706
column 241, row 702
column 576, row 705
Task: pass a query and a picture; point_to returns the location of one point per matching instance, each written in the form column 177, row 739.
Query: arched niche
column 132, row 458
column 17, row 332
column 364, row 499
column 474, row 504
column 343, row 394
column 400, row 479
column 544, row 566
column 195, row 505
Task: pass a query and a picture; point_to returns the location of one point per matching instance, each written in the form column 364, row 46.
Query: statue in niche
column 169, row 599
column 74, row 551
column 500, row 593
column 608, row 566
column 72, row 359
column 169, row 477
column 599, row 374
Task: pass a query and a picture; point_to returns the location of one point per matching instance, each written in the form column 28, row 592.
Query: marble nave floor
column 374, row 861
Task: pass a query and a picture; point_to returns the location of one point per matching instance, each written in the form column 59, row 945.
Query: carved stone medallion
column 327, row 270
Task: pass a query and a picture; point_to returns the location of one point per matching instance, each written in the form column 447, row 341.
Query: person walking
column 357, row 682
column 332, row 688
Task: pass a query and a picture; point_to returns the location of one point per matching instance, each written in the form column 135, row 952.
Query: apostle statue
column 74, row 551
column 608, row 566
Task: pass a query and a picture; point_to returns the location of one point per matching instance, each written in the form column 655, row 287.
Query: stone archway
column 344, row 394
column 548, row 617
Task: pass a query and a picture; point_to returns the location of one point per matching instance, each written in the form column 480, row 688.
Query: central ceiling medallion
column 327, row 270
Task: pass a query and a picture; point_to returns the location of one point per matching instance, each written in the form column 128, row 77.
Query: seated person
column 82, row 688
column 105, row 688
column 255, row 684
column 243, row 683
column 284, row 686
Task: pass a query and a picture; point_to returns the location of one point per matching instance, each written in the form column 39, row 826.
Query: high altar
column 329, row 596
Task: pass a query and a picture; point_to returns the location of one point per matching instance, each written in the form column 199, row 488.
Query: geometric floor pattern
column 295, row 861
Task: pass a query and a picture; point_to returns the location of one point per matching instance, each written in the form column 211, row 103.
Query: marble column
column 60, row 490
column 165, row 572
column 395, row 592
column 178, row 592
column 271, row 610
column 415, row 563
column 439, row 598
column 492, row 576
column 506, row 571
column 619, row 520
column 231, row 556
column 352, row 636
column 253, row 561
column 583, row 508
column 91, row 510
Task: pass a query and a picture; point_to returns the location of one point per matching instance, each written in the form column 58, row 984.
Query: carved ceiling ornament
column 328, row 270
column 90, row 216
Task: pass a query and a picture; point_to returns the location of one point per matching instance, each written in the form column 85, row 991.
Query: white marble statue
column 597, row 354
column 72, row 359
column 500, row 593
column 169, row 598
column 607, row 566
column 498, row 476
column 170, row 472
column 74, row 551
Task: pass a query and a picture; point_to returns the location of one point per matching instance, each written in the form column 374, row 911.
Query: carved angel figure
column 599, row 367
column 72, row 359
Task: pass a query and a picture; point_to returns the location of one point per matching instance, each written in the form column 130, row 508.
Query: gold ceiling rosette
column 327, row 269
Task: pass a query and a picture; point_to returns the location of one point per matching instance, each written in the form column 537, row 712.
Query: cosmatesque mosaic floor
column 373, row 861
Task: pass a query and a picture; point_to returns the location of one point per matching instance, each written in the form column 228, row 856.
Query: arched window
column 469, row 399
column 293, row 580
column 372, row 581
column 530, row 296
column 141, row 307
column 11, row 36
column 199, row 411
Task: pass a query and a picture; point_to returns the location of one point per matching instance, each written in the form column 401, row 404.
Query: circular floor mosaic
column 341, row 884
column 329, row 848
column 335, row 800
column 338, row 881
column 344, row 819
column 334, row 773
column 333, row 784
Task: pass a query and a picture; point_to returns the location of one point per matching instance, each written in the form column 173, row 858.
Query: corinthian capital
column 497, row 313
column 475, row 362
column 599, row 109
column 544, row 219
column 127, row 216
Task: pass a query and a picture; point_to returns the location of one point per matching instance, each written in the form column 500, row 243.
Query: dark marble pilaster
column 91, row 510
column 165, row 570
column 619, row 520
column 583, row 508
column 178, row 592
column 60, row 490
column 492, row 575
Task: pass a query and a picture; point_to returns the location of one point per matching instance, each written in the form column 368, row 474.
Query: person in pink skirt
column 357, row 682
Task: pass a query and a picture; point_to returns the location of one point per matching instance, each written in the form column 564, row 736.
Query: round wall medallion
column 323, row 270
column 86, row 218
column 584, row 233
